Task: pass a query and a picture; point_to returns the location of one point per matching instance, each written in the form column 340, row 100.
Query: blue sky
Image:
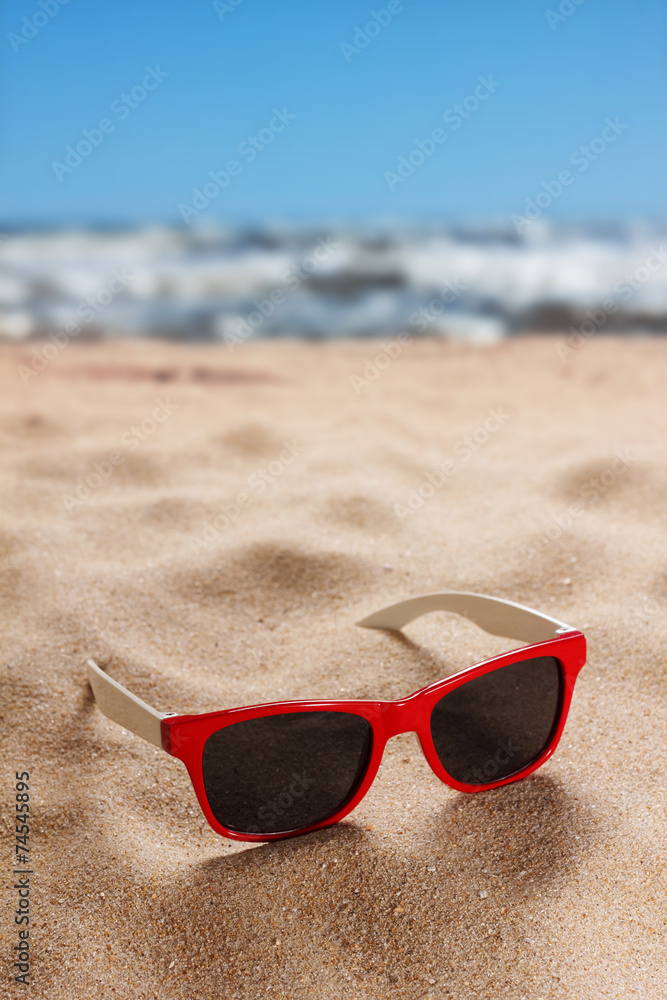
column 356, row 113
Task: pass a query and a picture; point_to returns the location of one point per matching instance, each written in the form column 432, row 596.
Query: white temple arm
column 490, row 613
column 123, row 707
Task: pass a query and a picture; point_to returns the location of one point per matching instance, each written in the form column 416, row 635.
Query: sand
column 553, row 887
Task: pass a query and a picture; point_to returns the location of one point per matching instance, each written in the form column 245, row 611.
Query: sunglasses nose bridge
column 402, row 716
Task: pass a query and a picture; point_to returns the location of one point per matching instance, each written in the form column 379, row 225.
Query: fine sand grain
column 550, row 888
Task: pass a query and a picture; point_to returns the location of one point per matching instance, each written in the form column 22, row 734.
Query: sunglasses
column 283, row 769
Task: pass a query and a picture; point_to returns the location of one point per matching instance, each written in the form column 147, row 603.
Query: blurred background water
column 233, row 284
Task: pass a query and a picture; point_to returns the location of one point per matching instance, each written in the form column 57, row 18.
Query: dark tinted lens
column 496, row 724
column 284, row 772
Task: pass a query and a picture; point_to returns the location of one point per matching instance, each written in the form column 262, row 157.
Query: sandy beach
column 209, row 525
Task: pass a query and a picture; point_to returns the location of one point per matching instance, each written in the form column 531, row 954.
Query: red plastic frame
column 184, row 736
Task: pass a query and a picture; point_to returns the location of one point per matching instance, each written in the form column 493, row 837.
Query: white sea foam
column 207, row 284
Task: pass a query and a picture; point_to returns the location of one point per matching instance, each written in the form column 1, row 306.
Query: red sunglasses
column 278, row 770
